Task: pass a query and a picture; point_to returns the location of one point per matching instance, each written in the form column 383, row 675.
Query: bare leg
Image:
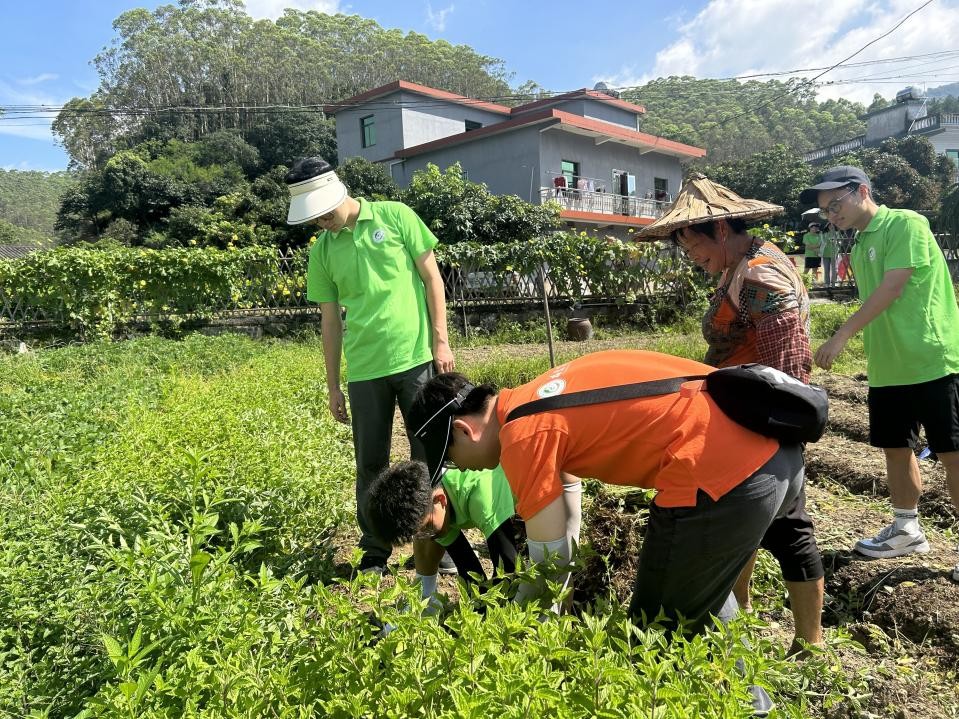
column 950, row 460
column 902, row 475
column 741, row 587
column 806, row 598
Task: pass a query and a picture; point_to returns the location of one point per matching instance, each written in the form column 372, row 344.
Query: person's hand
column 338, row 405
column 443, row 357
column 830, row 350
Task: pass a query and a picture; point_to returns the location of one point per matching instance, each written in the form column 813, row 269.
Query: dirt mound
column 851, row 389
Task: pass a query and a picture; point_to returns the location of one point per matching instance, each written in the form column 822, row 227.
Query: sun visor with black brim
column 434, row 433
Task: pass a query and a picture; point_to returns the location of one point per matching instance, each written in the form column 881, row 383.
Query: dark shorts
column 812, row 263
column 897, row 412
column 790, row 539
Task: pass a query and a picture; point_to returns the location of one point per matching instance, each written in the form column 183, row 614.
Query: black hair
column 440, row 390
column 306, row 168
column 737, row 224
column 397, row 501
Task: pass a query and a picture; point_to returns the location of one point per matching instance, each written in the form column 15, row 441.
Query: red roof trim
column 352, row 102
column 623, row 133
column 565, row 118
column 583, row 93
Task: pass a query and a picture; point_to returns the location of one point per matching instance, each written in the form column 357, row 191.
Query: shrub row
column 88, row 293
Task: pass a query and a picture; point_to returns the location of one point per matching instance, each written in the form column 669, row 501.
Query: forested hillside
column 29, row 201
column 733, row 120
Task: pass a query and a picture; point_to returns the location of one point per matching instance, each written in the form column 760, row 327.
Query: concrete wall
column 599, row 161
column 892, row 120
column 400, row 127
column 595, row 109
column 505, row 162
column 948, row 139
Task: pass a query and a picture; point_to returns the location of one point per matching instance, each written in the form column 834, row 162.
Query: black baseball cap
column 832, row 179
column 434, row 428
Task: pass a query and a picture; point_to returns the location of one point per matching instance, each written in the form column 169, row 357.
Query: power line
column 813, row 80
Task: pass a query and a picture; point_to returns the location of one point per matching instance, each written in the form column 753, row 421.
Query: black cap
column 307, row 168
column 832, row 179
column 433, row 430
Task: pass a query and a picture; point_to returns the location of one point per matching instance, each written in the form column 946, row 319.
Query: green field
column 175, row 518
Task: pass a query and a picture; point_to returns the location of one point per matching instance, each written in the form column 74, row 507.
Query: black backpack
column 760, row 398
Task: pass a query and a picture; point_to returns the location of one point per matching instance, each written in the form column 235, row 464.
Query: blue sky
column 563, row 45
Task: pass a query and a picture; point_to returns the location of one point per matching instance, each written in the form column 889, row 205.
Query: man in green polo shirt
column 375, row 261
column 910, row 324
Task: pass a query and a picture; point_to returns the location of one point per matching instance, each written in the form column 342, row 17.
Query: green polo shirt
column 480, row 498
column 371, row 272
column 916, row 338
column 811, row 241
column 830, row 244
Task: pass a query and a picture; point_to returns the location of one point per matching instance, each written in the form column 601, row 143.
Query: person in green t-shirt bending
column 375, row 261
column 462, row 499
column 812, row 244
column 910, row 324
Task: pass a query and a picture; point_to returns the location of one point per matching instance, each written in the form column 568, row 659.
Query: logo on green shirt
column 379, row 236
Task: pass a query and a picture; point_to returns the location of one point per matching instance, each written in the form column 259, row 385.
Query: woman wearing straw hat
column 758, row 313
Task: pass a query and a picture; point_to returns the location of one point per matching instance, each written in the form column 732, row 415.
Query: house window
column 661, row 188
column 368, row 131
column 473, row 125
column 569, row 170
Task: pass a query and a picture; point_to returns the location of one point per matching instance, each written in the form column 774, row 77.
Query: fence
column 83, row 298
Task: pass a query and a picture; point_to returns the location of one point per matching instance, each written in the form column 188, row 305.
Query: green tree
column 457, row 210
column 367, row 179
column 733, row 120
column 186, row 70
column 777, row 175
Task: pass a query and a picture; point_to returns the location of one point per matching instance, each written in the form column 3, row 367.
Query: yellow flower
column 192, row 242
column 143, row 283
column 313, row 239
column 765, row 225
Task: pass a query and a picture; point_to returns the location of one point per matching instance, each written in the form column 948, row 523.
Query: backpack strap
column 601, row 395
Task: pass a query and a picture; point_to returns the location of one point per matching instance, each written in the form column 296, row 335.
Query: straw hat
column 702, row 200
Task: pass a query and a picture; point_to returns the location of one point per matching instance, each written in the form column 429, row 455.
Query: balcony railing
column 603, row 203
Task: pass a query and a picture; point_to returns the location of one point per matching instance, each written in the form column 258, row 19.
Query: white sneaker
column 894, row 542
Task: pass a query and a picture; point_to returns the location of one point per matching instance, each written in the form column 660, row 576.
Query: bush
column 97, row 292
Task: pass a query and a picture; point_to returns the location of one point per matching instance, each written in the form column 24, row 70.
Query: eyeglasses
column 833, row 207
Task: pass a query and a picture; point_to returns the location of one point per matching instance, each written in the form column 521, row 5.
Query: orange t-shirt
column 676, row 443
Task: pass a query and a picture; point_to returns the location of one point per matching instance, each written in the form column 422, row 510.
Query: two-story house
column 583, row 149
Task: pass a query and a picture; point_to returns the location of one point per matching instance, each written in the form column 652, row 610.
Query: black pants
column 502, row 545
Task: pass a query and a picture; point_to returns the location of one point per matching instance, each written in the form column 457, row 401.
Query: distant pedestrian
column 910, row 324
column 812, row 247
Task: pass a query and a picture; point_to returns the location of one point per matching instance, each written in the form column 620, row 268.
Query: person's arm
column 546, row 537
column 429, row 272
column 332, row 328
column 888, row 291
column 782, row 343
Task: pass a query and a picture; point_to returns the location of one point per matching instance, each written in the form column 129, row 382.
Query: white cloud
column 735, row 37
column 437, row 19
column 272, row 9
column 37, row 79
